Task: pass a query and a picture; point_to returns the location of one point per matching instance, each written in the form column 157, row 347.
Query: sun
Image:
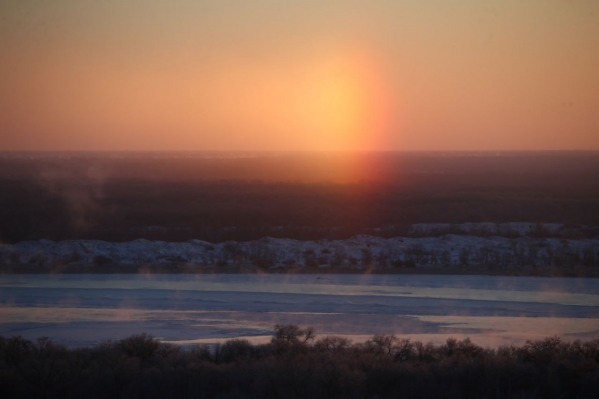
column 338, row 104
column 344, row 104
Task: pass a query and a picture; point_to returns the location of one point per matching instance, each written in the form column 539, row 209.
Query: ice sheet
column 86, row 309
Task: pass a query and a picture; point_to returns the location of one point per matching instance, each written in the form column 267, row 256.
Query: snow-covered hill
column 356, row 253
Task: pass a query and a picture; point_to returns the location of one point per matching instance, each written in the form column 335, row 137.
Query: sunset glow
column 272, row 75
column 344, row 104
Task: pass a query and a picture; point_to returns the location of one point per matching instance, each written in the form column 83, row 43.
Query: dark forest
column 174, row 197
column 297, row 364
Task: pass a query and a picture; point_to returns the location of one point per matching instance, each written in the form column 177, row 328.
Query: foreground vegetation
column 295, row 364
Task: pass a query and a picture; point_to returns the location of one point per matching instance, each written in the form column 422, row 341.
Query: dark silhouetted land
column 297, row 364
column 218, row 197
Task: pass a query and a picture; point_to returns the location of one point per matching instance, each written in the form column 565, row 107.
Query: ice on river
column 85, row 309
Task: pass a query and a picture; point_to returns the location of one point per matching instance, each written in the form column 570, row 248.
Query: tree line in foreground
column 295, row 364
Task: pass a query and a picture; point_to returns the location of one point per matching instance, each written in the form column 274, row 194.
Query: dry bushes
column 295, row 364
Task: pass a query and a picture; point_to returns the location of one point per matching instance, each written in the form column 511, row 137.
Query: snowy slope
column 358, row 252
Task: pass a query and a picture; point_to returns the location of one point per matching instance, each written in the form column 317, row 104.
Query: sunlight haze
column 299, row 75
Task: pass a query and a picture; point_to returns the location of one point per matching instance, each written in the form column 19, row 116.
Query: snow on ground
column 511, row 228
column 355, row 253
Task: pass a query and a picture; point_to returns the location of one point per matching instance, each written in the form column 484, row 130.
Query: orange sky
column 299, row 75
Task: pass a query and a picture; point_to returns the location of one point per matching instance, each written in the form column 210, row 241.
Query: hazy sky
column 299, row 75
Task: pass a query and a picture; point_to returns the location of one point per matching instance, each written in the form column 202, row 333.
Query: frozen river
column 86, row 309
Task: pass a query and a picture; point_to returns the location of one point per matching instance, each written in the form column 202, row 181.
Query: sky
column 282, row 75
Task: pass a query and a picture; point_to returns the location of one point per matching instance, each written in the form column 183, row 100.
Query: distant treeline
column 307, row 197
column 296, row 364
